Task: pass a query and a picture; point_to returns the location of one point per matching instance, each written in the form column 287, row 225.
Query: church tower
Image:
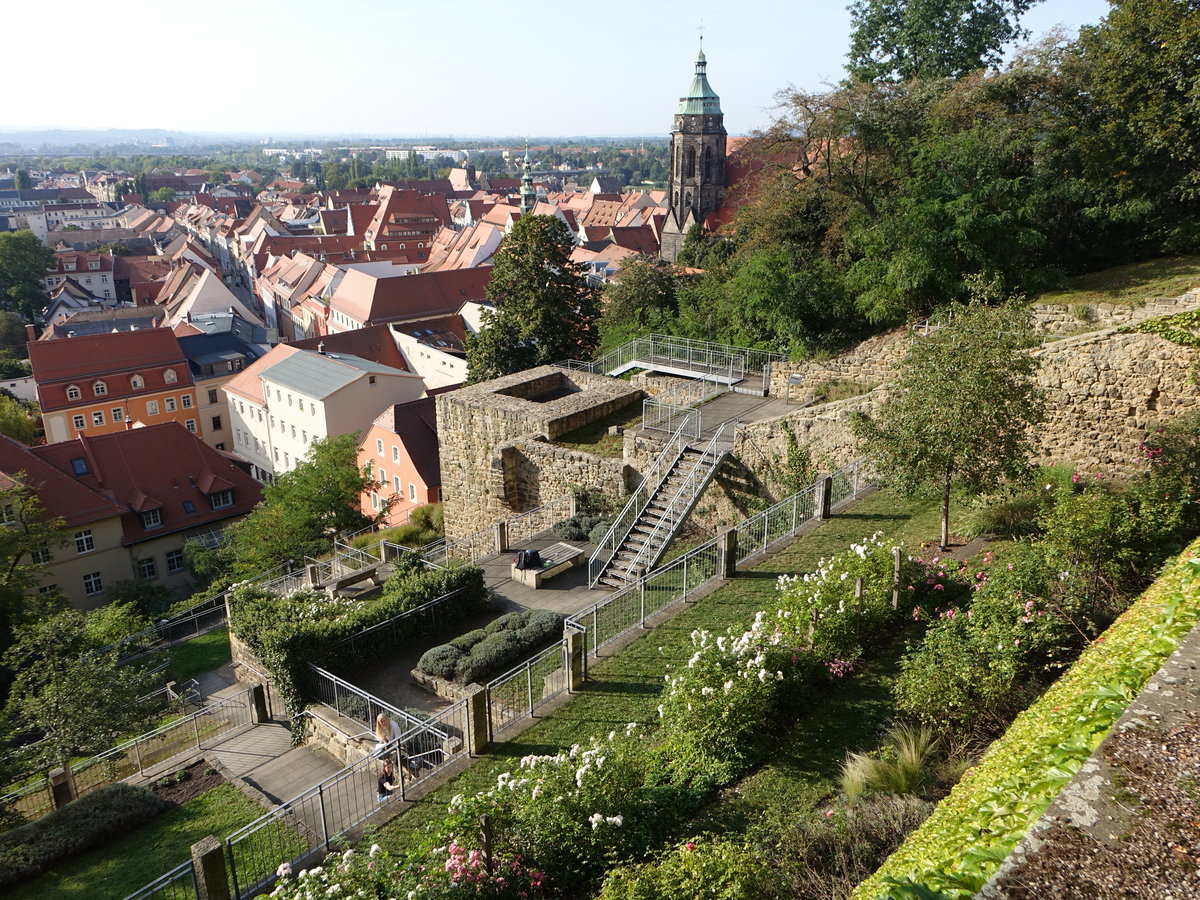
column 528, row 193
column 697, row 161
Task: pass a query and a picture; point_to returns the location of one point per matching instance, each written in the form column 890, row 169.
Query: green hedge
column 287, row 633
column 962, row 844
column 489, row 651
column 91, row 821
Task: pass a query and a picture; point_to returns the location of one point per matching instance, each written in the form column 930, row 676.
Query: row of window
column 395, row 450
column 80, row 421
column 136, row 382
column 93, row 583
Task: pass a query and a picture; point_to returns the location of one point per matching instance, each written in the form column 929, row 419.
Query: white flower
column 579, row 775
column 728, row 686
column 346, row 856
column 615, row 820
column 284, row 870
column 375, row 850
column 595, row 819
column 660, row 711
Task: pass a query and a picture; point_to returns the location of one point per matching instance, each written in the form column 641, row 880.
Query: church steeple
column 697, row 160
column 528, row 193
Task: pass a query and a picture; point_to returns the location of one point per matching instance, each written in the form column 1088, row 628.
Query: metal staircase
column 657, row 510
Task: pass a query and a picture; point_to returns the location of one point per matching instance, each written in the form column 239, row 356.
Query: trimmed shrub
column 719, row 867
column 599, row 530
column 578, row 527
column 91, row 821
column 502, row 643
column 465, row 642
column 441, row 661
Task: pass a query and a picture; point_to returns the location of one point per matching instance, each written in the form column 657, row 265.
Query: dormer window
column 99, row 388
column 170, row 377
column 73, row 392
column 220, row 499
column 94, row 265
column 79, row 466
column 137, row 382
column 152, row 518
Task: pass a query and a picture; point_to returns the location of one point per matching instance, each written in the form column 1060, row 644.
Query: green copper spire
column 701, row 99
column 528, row 193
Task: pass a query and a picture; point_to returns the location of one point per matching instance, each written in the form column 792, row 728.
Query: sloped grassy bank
column 973, row 829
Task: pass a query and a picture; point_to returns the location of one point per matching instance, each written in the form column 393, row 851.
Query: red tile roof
column 375, row 342
column 113, row 357
column 371, row 300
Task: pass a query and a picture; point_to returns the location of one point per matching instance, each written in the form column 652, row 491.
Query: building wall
column 68, row 566
column 389, row 466
column 61, row 425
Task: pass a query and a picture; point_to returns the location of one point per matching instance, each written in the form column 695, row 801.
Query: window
column 374, row 501
column 242, row 408
column 170, row 377
column 276, row 452
column 99, row 388
column 216, row 423
column 190, row 425
column 212, row 396
column 412, row 492
column 48, row 589
column 147, row 569
column 220, row 445
column 118, row 414
column 312, row 409
column 383, row 476
column 84, row 542
column 79, row 466
column 152, row 518
column 293, row 432
column 304, row 436
column 287, row 462
column 370, row 379
column 9, row 513
column 73, row 392
column 220, row 499
column 272, row 421
column 137, row 382
column 98, row 417
column 379, row 446
column 92, row 584
column 79, row 422
column 395, row 453
column 289, row 399
column 186, row 400
column 300, row 403
column 41, row 555
column 399, row 486
column 174, row 561
column 170, row 404
column 152, row 407
column 189, row 507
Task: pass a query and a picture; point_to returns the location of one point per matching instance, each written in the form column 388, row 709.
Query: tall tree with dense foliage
column 958, row 415
column 28, row 534
column 301, row 512
column 643, row 298
column 902, row 39
column 21, row 180
column 23, row 264
column 545, row 308
column 71, row 691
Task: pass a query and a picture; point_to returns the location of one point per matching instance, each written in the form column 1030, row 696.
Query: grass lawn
column 625, row 687
column 139, row 856
column 199, row 655
column 1167, row 277
column 594, row 437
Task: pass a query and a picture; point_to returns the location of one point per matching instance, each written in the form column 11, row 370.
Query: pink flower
column 939, row 587
column 828, row 813
column 691, row 845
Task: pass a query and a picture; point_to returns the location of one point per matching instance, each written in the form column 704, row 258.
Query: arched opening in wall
column 687, row 199
column 689, row 163
column 708, row 164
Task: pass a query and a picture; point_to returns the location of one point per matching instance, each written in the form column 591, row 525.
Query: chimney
column 321, row 347
column 30, row 333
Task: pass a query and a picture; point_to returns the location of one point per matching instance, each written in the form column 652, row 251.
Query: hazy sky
column 392, row 67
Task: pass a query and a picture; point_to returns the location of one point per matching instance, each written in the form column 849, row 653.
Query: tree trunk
column 945, row 545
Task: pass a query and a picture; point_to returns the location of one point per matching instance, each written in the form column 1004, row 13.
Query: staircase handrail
column 632, row 510
column 692, row 485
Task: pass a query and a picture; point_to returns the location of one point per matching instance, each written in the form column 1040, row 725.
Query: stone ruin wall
column 1105, row 391
column 496, row 458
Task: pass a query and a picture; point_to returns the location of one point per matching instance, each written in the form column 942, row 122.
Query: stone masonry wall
column 492, row 438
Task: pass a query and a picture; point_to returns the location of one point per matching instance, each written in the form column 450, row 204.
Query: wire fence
column 178, row 884
column 307, row 825
column 194, row 731
column 521, row 691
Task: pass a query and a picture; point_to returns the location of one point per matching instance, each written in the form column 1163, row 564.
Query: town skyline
column 426, row 77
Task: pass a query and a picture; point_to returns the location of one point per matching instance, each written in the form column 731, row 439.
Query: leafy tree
column 642, row 299
column 23, row 264
column 116, row 248
column 301, row 512
column 545, row 309
column 15, row 420
column 140, row 186
column 958, row 414
column 902, row 39
column 21, row 180
column 76, row 696
column 162, row 195
column 30, row 532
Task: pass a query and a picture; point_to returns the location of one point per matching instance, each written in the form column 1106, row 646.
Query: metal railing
column 685, row 497
column 308, row 824
column 427, row 614
column 661, row 415
column 142, row 753
column 608, row 545
column 523, row 690
column 757, row 533
column 205, row 616
column 347, row 562
column 482, row 543
column 355, row 703
column 178, row 884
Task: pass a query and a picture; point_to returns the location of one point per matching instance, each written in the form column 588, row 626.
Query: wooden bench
column 556, row 558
